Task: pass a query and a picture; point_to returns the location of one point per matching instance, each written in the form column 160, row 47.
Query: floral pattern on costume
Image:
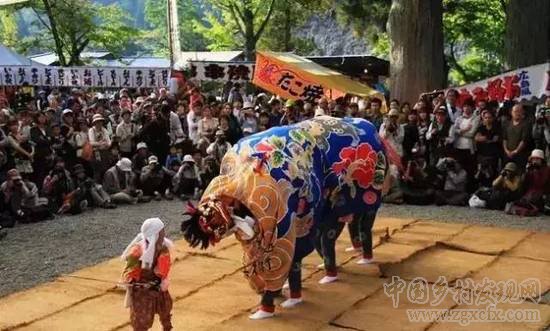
column 294, row 177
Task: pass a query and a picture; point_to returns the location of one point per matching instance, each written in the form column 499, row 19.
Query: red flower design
column 370, row 197
column 359, row 163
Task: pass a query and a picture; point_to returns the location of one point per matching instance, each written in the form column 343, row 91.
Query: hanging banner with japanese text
column 103, row 77
column 524, row 83
column 220, row 71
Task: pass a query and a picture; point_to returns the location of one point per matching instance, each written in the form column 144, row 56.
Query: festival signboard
column 524, row 83
column 103, row 77
column 294, row 77
column 220, row 71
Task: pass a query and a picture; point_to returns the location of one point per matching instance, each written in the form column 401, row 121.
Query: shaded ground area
column 210, row 293
column 35, row 253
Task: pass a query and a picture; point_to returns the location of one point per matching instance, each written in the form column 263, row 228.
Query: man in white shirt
column 452, row 109
column 193, row 118
column 393, row 132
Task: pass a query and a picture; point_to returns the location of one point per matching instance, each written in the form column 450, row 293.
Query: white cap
column 97, row 117
column 248, row 105
column 124, row 164
column 319, row 112
column 141, row 145
column 537, row 153
column 153, row 96
column 153, row 159
column 188, row 158
column 67, row 111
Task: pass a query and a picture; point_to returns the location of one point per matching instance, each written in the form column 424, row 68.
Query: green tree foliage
column 68, row 27
column 8, row 27
column 243, row 20
column 156, row 33
column 474, row 38
column 473, row 32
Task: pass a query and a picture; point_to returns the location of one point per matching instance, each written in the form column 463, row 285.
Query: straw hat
column 97, row 118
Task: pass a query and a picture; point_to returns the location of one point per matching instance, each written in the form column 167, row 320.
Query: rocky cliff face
column 331, row 37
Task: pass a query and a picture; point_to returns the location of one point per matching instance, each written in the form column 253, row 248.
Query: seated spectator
column 438, row 136
column 219, row 147
column 455, row 178
column 535, row 185
column 141, row 158
column 395, row 193
column 61, row 191
column 416, row 184
column 155, row 179
column 119, row 184
column 186, row 183
column 21, row 150
column 210, row 170
column 506, row 187
column 393, row 132
column 21, row 196
column 6, row 218
column 488, row 145
column 94, row 193
column 175, row 154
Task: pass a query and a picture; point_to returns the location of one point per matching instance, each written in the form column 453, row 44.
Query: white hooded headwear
column 150, row 230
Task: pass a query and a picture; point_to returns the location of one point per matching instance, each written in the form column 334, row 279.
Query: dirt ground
column 210, row 292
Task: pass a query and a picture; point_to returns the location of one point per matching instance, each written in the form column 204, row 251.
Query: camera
column 450, row 165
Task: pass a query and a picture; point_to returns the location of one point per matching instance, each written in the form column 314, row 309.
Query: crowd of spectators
column 68, row 151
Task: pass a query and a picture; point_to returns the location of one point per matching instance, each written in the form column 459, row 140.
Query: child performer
column 147, row 266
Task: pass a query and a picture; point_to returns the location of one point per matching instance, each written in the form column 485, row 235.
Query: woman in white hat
column 101, row 143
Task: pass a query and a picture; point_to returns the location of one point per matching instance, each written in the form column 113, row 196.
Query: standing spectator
column 276, row 115
column 22, row 152
column 219, row 147
column 84, row 150
column 410, row 135
column 462, row 133
column 289, row 112
column 263, row 121
column 393, row 132
column 248, row 120
column 438, row 135
column 515, row 138
column 155, row 133
column 193, row 118
column 373, row 113
column 125, row 132
column 176, row 129
column 207, row 126
column 67, row 132
column 232, row 127
column 182, row 112
column 235, row 94
column 101, row 143
column 541, row 128
column 487, row 139
column 453, row 111
column 43, row 153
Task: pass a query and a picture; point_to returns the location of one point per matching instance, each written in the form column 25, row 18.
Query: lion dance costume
column 300, row 184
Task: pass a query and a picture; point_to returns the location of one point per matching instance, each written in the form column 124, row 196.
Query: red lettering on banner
column 463, row 95
column 512, row 87
column 495, row 90
column 480, row 94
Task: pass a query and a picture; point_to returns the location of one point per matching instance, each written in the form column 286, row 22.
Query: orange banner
column 279, row 78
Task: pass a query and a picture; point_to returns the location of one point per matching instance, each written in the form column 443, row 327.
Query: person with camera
column 455, row 179
column 211, row 169
column 536, row 187
column 506, row 187
column 155, row 179
column 118, row 182
column 219, row 147
column 393, row 132
column 437, row 136
column 94, row 193
column 187, row 182
column 61, row 191
column 541, row 128
column 21, row 197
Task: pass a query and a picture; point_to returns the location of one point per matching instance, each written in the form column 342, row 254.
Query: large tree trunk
column 527, row 33
column 416, row 60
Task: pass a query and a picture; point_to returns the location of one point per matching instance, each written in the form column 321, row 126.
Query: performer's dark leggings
column 325, row 242
column 360, row 232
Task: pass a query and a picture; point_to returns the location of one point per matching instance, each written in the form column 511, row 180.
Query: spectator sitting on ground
column 61, row 191
column 94, row 193
column 21, row 196
column 186, row 182
column 535, row 185
column 155, row 179
column 211, row 169
column 119, row 184
column 395, row 193
column 416, row 184
column 141, row 158
column 454, row 190
column 506, row 187
column 175, row 154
